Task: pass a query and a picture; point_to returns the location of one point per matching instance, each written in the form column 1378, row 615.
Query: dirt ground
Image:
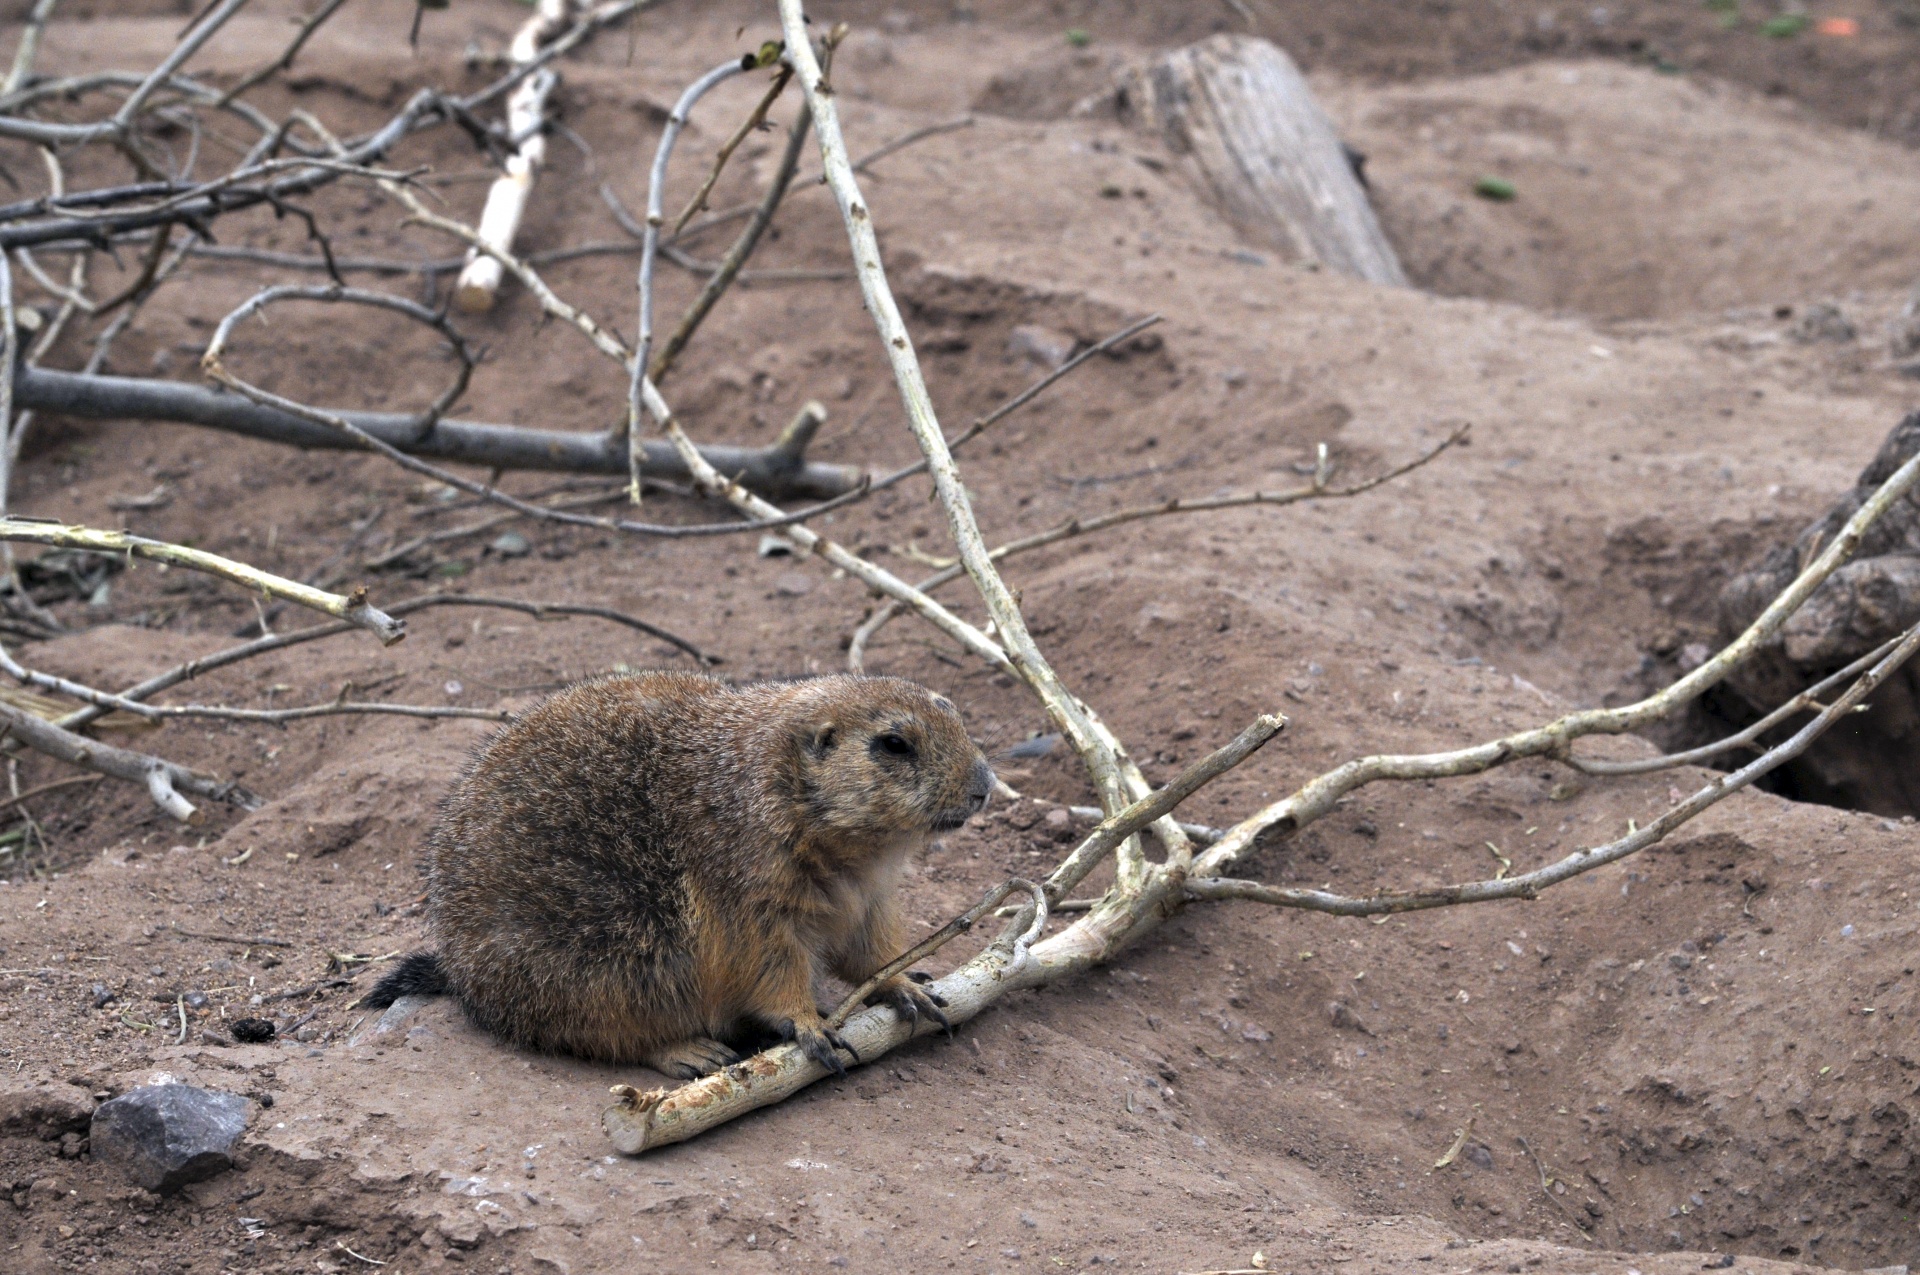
column 1701, row 1058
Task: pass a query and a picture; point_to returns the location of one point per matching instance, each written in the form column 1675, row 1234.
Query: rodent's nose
column 980, row 785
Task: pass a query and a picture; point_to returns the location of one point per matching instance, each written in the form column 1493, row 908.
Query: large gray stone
column 165, row 1136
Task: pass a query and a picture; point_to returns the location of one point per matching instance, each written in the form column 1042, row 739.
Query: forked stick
column 163, row 780
column 1317, row 796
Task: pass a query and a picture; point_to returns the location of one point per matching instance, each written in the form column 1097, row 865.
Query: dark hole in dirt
column 1870, row 761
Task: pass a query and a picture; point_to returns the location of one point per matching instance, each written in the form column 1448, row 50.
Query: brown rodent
column 650, row 869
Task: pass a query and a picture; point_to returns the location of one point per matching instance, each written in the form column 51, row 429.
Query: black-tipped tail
column 417, row 974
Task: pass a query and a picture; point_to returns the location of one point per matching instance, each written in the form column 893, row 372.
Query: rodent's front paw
column 911, row 1001
column 819, row 1044
column 691, row 1058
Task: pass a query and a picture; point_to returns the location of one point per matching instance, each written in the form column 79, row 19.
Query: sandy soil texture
column 1702, row 1058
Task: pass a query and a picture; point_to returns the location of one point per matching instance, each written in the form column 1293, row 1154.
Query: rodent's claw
column 911, row 1001
column 921, row 976
column 933, row 1012
column 840, row 1043
column 818, row 1045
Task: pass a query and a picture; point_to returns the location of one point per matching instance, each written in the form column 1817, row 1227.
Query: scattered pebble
column 1045, row 346
column 511, row 544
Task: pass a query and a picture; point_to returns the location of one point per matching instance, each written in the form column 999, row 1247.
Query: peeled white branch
column 479, row 282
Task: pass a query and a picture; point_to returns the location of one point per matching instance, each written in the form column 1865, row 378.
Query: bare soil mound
column 1703, row 1057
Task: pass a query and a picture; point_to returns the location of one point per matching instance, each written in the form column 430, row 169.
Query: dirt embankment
column 1708, row 1050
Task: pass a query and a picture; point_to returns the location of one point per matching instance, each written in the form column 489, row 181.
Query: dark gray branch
column 779, row 471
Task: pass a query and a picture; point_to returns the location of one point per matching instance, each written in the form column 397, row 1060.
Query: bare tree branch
column 354, row 607
column 769, row 470
column 1529, row 884
column 163, row 779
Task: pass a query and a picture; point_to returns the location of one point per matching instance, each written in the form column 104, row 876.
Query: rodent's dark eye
column 893, row 745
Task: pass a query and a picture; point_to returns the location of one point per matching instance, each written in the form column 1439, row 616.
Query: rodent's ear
column 821, row 741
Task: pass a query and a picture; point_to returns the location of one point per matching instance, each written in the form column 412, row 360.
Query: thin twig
column 649, row 245
column 57, row 784
column 816, row 181
column 275, row 642
column 743, row 246
column 234, row 939
column 1529, row 884
column 190, row 44
column 1805, row 701
column 29, row 46
column 982, row 424
column 285, row 60
column 1317, row 490
column 1033, row 924
column 756, row 119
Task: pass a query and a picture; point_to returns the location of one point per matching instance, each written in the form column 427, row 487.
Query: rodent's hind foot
column 691, row 1058
column 819, row 1044
column 912, row 1001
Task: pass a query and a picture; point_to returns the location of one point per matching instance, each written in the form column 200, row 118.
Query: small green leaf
column 1498, row 189
column 1079, row 37
column 1786, row 26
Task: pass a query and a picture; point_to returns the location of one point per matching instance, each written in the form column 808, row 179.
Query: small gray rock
column 166, row 1136
column 395, row 1017
column 511, row 544
column 1343, row 1017
column 1045, row 346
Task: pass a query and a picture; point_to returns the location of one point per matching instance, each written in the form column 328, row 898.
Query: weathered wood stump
column 1240, row 114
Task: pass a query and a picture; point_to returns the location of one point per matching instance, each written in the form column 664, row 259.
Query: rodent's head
column 875, row 758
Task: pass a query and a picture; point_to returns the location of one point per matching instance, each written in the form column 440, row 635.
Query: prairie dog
column 652, row 868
